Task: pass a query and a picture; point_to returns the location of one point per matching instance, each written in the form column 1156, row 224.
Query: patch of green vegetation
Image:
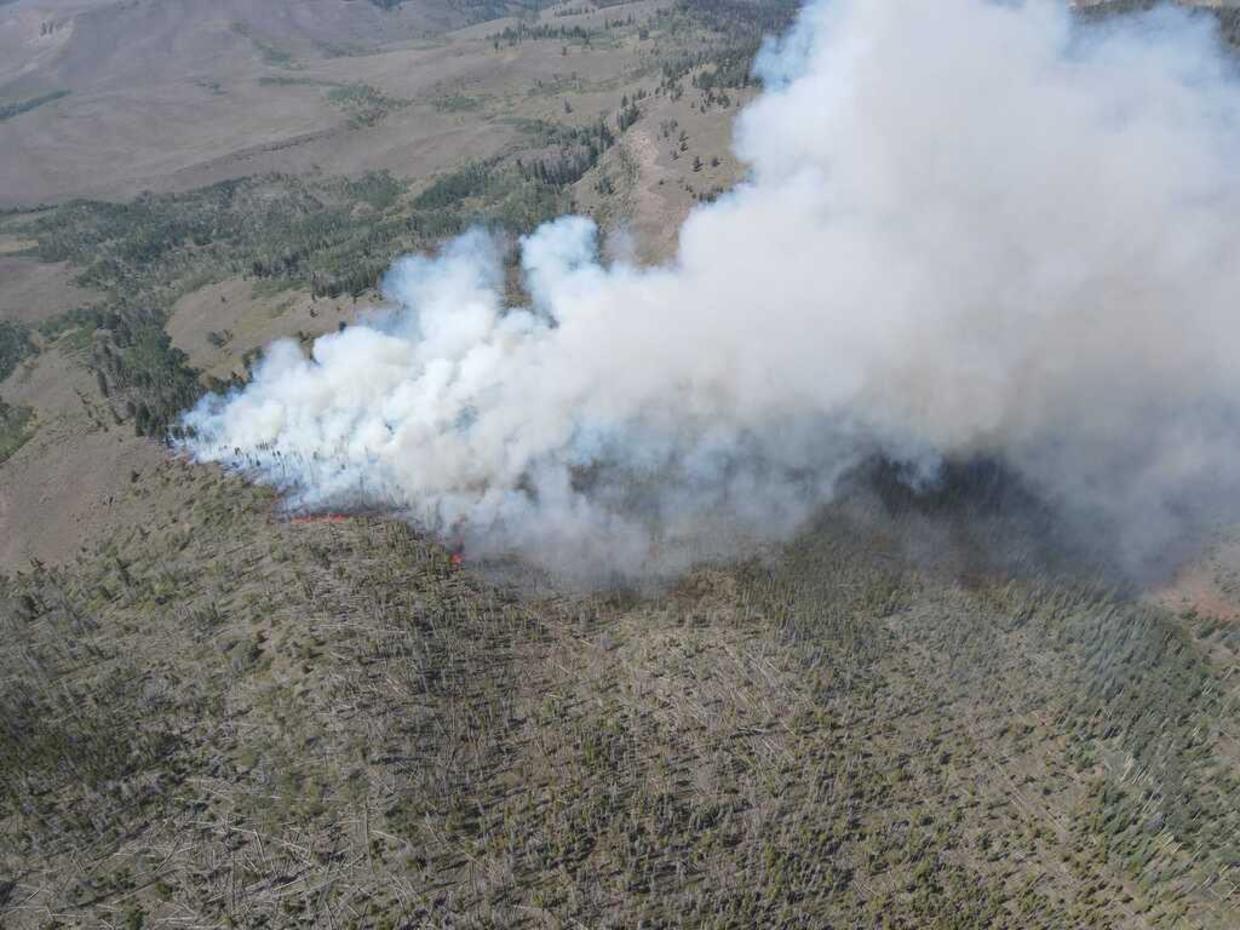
column 75, row 328
column 510, row 196
column 715, row 41
column 378, row 189
column 139, row 363
column 139, row 372
column 9, row 110
column 365, row 105
column 341, row 49
column 16, row 427
column 565, row 153
column 151, row 250
column 473, row 180
column 281, row 80
column 737, row 22
column 456, row 103
column 532, row 32
column 15, row 345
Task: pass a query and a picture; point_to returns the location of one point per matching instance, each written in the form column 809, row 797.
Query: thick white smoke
column 971, row 229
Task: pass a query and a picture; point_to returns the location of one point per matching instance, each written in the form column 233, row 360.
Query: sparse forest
column 217, row 713
column 260, row 722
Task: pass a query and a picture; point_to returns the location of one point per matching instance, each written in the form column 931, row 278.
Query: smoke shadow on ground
column 974, row 522
column 977, row 519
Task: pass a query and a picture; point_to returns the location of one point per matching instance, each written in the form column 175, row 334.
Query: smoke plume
column 970, row 230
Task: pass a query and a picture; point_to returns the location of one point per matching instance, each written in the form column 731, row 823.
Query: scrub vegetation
column 216, row 714
column 229, row 717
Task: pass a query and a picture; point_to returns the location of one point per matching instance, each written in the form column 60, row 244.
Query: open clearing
column 59, row 492
column 31, row 291
column 218, row 325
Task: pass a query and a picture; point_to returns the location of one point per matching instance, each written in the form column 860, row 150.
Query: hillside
column 291, row 247
column 919, row 711
column 224, row 717
column 112, row 99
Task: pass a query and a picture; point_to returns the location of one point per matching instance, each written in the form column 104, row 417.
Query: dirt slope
column 60, row 492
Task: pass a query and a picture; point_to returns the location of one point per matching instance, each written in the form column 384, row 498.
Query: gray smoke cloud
column 970, row 230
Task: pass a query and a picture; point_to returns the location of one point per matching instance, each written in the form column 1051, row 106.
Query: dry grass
column 218, row 325
column 31, row 291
